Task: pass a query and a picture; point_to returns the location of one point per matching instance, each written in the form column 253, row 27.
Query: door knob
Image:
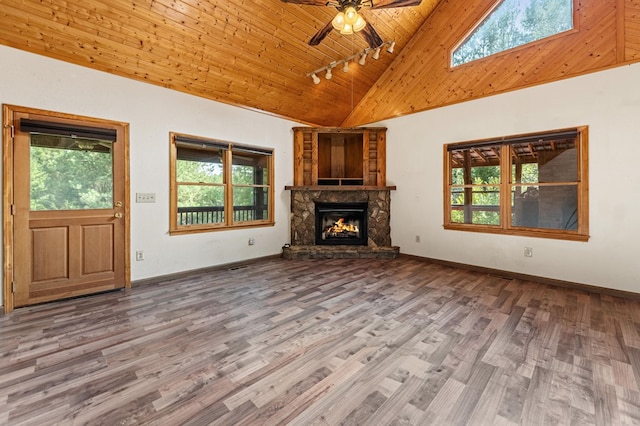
column 118, row 215
column 118, row 203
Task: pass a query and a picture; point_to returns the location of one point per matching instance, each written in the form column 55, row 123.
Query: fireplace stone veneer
column 303, row 222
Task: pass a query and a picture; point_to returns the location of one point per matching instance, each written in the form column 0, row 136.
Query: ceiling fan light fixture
column 347, row 29
column 338, row 21
column 348, row 21
column 359, row 24
column 351, row 15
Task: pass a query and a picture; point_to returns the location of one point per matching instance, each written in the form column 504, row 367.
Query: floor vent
column 235, row 268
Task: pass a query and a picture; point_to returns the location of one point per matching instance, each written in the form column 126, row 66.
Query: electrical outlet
column 139, row 255
column 145, row 197
column 528, row 252
column 252, row 241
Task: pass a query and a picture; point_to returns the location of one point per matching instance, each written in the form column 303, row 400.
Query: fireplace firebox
column 341, row 224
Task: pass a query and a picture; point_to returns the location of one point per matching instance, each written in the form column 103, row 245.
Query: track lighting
column 361, row 57
column 391, row 46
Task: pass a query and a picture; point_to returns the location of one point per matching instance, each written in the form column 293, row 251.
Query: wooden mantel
column 339, row 158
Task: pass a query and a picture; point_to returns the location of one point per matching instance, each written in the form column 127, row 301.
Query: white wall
column 608, row 102
column 38, row 82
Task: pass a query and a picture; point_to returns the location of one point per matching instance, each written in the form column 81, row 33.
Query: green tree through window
column 70, row 174
column 533, row 184
column 514, row 23
column 218, row 184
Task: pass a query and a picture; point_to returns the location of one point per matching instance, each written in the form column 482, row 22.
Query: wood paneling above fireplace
column 343, row 157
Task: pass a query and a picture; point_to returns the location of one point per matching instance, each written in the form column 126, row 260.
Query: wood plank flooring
column 325, row 342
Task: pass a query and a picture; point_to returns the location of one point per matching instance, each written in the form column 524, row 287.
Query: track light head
column 315, row 78
column 345, row 66
column 376, row 53
column 363, row 58
column 391, row 46
column 328, row 75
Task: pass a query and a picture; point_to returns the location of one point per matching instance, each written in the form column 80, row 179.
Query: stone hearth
column 303, row 200
column 340, row 252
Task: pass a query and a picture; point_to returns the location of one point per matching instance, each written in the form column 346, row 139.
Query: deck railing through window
column 215, row 214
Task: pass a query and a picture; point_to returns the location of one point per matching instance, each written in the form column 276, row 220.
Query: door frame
column 8, row 131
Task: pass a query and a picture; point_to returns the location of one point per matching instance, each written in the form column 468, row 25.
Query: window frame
column 505, row 226
column 227, row 183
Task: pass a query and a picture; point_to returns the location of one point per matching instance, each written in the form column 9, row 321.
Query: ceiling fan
column 348, row 21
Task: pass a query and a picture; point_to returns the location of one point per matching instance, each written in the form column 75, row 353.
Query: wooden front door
column 69, row 209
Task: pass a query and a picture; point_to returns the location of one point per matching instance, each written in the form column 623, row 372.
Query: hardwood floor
column 325, row 342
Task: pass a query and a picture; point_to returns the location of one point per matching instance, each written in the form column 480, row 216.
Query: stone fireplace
column 376, row 203
column 340, row 204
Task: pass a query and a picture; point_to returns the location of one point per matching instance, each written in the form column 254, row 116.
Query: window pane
column 515, row 23
column 199, row 204
column 544, row 161
column 70, row 173
column 524, row 173
column 250, row 203
column 485, row 175
column 549, row 207
column 479, row 165
column 203, row 168
column 483, row 208
column 457, row 176
column 249, row 169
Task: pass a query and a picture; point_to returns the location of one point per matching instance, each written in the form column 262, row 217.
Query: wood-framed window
column 533, row 185
column 512, row 23
column 218, row 185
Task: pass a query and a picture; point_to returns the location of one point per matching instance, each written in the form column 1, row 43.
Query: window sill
column 521, row 232
column 196, row 229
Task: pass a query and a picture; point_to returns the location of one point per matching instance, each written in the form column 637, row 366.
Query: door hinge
column 13, row 131
column 13, row 209
column 13, row 287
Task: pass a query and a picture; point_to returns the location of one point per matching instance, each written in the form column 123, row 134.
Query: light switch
column 145, row 197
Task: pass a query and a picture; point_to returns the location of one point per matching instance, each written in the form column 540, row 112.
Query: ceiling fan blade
column 371, row 35
column 307, row 2
column 320, row 35
column 383, row 4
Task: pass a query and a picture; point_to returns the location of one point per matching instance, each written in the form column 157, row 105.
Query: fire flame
column 340, row 226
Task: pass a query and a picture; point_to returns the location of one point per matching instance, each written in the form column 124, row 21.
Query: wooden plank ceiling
column 242, row 52
column 254, row 53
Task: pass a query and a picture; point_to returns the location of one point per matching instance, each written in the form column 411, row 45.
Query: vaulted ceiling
column 242, row 52
column 255, row 53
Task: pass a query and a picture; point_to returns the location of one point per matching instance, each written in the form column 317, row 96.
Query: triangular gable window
column 512, row 23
